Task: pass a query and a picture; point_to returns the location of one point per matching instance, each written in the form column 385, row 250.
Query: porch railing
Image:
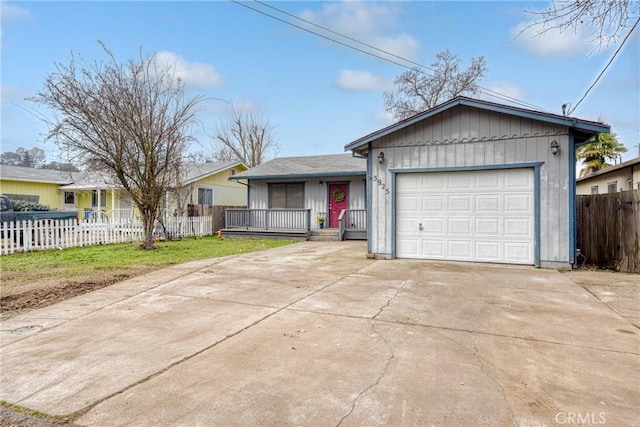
column 352, row 220
column 268, row 219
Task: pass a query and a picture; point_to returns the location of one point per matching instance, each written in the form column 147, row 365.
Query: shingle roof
column 583, row 129
column 307, row 167
column 195, row 172
column 19, row 173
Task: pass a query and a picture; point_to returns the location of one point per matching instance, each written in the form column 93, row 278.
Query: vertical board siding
column 48, row 192
column 464, row 136
column 316, row 197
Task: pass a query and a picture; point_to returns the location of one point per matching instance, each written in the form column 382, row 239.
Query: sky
column 317, row 94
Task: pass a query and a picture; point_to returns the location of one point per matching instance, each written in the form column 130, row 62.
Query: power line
column 421, row 68
column 606, row 66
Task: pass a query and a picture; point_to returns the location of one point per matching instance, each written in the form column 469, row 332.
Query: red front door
column 338, row 200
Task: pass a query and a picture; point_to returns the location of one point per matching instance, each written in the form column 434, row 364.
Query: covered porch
column 295, row 223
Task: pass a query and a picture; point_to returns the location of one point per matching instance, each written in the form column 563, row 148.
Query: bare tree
column 419, row 89
column 130, row 120
column 606, row 19
column 246, row 136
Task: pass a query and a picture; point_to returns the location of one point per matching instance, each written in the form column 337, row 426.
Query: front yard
column 37, row 279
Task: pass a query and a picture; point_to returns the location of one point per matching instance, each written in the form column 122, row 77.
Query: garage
column 467, row 215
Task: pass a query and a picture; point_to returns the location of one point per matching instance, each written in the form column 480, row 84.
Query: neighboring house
column 303, row 190
column 90, row 192
column 34, row 185
column 209, row 184
column 623, row 176
column 471, row 180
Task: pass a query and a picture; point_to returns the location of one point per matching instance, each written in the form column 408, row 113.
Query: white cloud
column 553, row 42
column 192, row 73
column 368, row 22
column 506, row 88
column 354, row 80
column 12, row 13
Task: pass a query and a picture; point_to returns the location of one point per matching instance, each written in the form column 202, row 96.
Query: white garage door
column 483, row 216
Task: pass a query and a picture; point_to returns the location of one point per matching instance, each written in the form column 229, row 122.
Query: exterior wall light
column 555, row 147
column 381, row 157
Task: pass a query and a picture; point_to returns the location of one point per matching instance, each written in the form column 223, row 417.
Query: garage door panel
column 460, row 226
column 486, row 181
column 407, row 225
column 518, row 252
column 517, row 203
column 433, row 249
column 459, row 203
column 432, row 227
column 488, row 250
column 488, row 226
column 410, row 248
column 488, row 203
column 460, row 182
column 483, row 215
column 519, row 179
column 518, row 227
column 460, row 250
column 433, row 203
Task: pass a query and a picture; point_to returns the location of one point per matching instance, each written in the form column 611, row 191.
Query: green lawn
column 121, row 260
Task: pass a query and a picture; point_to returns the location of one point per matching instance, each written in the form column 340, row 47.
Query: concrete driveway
column 316, row 334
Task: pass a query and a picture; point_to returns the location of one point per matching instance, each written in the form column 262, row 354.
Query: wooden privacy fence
column 609, row 230
column 37, row 235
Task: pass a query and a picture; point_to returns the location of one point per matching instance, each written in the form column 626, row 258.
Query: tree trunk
column 148, row 219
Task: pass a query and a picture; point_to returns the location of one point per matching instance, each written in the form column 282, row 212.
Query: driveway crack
column 389, row 359
column 486, row 374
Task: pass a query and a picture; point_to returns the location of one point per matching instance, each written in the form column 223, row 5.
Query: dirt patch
column 20, row 297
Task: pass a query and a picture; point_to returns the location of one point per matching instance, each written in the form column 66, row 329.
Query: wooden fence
column 28, row 236
column 609, row 230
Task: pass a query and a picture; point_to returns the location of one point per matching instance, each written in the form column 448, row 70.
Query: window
column 594, row 189
column 94, row 199
column 205, row 196
column 286, row 196
column 69, row 198
column 612, row 187
column 4, row 205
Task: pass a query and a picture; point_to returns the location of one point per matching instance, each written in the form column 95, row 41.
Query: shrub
column 24, row 205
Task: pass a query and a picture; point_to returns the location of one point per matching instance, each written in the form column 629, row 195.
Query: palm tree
column 594, row 155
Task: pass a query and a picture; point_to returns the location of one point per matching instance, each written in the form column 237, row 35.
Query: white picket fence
column 26, row 236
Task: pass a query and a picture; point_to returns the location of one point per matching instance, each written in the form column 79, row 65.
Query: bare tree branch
column 130, row 120
column 418, row 89
column 246, row 136
column 606, row 20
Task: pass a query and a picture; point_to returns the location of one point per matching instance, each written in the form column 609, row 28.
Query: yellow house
column 34, row 185
column 93, row 193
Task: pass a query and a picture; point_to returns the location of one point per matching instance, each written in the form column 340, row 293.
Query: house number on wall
column 380, row 183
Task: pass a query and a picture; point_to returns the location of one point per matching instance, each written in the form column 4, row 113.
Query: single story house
column 472, row 180
column 623, row 176
column 303, row 193
column 33, row 185
column 92, row 192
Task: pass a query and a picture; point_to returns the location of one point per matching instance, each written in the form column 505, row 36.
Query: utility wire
column 487, row 91
column 605, row 67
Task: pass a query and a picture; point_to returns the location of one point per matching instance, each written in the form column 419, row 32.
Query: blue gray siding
column 462, row 137
column 315, row 195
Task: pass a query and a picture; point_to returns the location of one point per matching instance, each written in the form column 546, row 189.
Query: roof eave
column 300, row 175
column 589, row 127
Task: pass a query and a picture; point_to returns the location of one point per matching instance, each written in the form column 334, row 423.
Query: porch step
column 325, row 235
